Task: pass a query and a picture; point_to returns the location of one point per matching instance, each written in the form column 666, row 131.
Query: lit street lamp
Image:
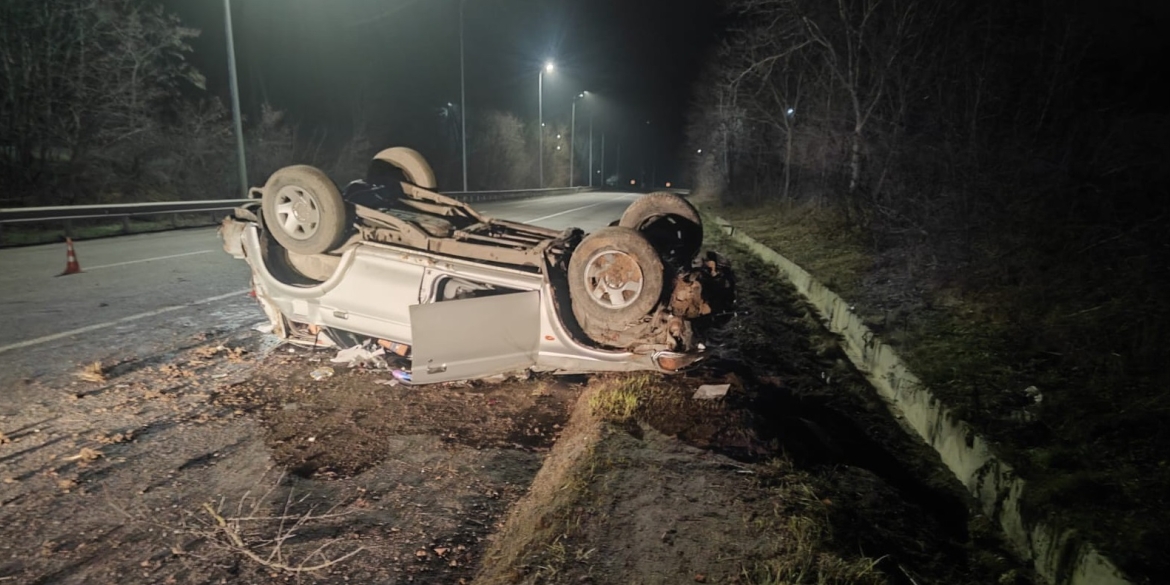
column 548, row 68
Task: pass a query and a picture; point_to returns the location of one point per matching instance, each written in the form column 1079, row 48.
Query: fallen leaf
column 92, row 373
column 66, row 484
column 86, row 455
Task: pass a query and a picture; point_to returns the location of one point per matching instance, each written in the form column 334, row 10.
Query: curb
column 1057, row 554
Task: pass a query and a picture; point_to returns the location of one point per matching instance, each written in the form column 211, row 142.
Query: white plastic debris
column 390, row 382
column 321, row 373
column 711, row 391
column 361, row 356
column 265, row 327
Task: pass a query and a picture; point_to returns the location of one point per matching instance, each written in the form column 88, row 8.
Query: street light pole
column 462, row 97
column 235, row 89
column 540, row 124
column 572, row 140
column 548, row 68
column 603, row 160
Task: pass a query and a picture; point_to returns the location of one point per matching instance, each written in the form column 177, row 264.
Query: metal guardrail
column 481, row 196
column 125, row 211
column 68, row 212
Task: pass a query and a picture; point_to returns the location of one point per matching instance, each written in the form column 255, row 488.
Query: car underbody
column 452, row 294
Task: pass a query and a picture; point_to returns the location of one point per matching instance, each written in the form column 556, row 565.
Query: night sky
column 320, row 60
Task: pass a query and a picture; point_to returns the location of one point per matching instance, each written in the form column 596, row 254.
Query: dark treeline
column 99, row 103
column 1016, row 144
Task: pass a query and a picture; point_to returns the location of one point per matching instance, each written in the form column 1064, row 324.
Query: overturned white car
column 390, row 261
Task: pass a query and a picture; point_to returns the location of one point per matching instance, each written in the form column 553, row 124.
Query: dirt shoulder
column 797, row 475
column 231, row 460
column 228, row 462
column 1085, row 433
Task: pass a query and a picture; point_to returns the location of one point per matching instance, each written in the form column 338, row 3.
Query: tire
column 411, row 163
column 615, row 279
column 303, row 210
column 670, row 222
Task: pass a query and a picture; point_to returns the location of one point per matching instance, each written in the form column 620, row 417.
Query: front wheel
column 615, row 279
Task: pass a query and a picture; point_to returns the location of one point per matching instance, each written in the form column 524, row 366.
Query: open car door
column 472, row 338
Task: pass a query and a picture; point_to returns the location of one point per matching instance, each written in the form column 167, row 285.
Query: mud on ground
column 227, row 461
column 798, row 475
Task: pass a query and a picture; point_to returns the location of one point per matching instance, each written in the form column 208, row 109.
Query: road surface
column 150, row 294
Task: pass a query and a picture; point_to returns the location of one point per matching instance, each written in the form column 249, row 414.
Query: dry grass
column 93, row 373
column 801, row 232
column 795, row 537
column 617, row 398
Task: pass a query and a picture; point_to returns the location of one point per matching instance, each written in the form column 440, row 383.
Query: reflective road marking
column 89, row 328
column 147, row 260
column 574, row 209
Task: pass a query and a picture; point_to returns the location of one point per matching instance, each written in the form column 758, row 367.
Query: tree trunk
column 855, row 160
column 788, row 164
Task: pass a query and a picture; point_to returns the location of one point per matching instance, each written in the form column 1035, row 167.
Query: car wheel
column 615, row 279
column 670, row 222
column 303, row 210
column 412, row 164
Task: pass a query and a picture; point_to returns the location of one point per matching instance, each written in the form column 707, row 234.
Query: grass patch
column 617, row 397
column 1060, row 369
column 795, row 536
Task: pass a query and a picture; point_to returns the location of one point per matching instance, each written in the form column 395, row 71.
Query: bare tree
column 500, row 157
column 81, row 77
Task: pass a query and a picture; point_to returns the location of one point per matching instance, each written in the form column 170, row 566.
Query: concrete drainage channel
column 1055, row 553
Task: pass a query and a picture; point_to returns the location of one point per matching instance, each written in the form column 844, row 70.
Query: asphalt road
column 151, row 294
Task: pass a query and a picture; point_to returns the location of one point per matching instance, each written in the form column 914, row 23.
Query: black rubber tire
column 319, row 190
column 670, row 222
column 594, row 317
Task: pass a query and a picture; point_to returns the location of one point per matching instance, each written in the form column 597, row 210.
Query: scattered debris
column 85, row 455
column 117, row 438
column 390, row 382
column 66, row 484
column 228, row 533
column 4, row 439
column 321, row 373
column 401, row 375
column 360, row 356
column 711, row 391
column 92, row 373
column 265, row 327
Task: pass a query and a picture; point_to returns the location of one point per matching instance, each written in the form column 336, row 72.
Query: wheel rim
column 614, row 279
column 297, row 212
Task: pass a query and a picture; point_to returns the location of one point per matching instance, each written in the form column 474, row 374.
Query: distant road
column 151, row 293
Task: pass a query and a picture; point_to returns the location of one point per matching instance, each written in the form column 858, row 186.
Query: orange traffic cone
column 71, row 265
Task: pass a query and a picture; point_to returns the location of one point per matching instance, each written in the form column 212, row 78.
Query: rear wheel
column 670, row 222
column 615, row 279
column 303, row 210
